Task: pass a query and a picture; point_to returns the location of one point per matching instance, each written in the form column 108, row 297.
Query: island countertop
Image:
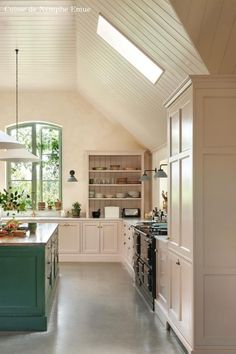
column 43, row 233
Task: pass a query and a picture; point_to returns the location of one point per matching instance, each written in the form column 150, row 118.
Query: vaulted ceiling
column 211, row 25
column 60, row 50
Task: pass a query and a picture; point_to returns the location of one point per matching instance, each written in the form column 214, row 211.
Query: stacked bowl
column 134, row 194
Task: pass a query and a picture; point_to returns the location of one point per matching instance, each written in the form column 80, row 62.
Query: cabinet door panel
column 174, row 202
column 186, row 126
column 90, row 238
column 186, row 204
column 174, row 299
column 109, row 238
column 162, row 274
column 174, row 133
column 69, row 238
column 186, row 298
column 180, row 295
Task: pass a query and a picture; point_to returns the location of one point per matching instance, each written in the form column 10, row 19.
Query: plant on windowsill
column 13, row 200
column 58, row 204
column 76, row 208
column 50, row 204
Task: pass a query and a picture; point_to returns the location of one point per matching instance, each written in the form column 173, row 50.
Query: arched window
column 41, row 180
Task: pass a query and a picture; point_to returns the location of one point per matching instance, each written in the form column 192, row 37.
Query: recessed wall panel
column 174, row 201
column 219, row 206
column 219, row 123
column 219, row 306
column 186, row 126
column 186, row 203
column 174, row 134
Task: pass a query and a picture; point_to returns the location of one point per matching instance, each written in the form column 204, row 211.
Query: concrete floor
column 96, row 311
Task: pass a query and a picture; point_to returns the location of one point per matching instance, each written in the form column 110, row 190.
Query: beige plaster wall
column 84, row 128
column 158, row 184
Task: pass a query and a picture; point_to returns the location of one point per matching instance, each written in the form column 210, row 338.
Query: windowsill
column 39, row 214
column 47, row 213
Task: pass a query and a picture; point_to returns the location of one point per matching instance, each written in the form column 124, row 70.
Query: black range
column 145, row 258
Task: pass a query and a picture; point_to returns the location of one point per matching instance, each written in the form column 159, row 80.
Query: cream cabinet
column 87, row 240
column 101, row 238
column 109, row 237
column 161, row 279
column 180, row 294
column 91, row 237
column 201, row 214
column 69, row 238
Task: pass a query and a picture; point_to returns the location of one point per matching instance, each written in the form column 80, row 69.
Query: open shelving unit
column 105, row 179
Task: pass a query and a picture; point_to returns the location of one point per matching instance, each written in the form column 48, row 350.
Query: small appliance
column 111, row 212
column 130, row 212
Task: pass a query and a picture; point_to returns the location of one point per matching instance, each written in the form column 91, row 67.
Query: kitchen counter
column 162, row 238
column 57, row 218
column 41, row 236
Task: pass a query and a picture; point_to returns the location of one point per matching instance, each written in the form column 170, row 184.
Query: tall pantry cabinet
column 202, row 209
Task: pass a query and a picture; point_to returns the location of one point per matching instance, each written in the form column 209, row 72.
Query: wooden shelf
column 130, row 168
column 116, row 171
column 115, row 185
column 115, row 198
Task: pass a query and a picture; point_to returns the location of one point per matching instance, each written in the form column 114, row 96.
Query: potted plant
column 58, row 204
column 41, row 205
column 50, row 204
column 76, row 208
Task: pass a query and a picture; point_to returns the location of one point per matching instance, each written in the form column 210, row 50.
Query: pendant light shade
column 8, row 142
column 161, row 173
column 72, row 177
column 16, row 153
column 157, row 173
column 145, row 177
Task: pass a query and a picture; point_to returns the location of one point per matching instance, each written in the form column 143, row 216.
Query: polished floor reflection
column 96, row 311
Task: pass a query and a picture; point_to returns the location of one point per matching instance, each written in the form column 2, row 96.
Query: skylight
column 128, row 50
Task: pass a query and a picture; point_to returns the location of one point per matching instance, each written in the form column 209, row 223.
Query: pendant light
column 17, row 154
column 8, row 142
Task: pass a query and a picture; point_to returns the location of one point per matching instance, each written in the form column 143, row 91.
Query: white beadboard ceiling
column 61, row 51
column 211, row 24
column 46, row 43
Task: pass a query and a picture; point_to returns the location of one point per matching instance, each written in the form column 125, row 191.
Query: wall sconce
column 160, row 173
column 145, row 177
column 72, row 177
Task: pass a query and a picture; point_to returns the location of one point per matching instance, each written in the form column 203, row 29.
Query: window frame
column 34, row 180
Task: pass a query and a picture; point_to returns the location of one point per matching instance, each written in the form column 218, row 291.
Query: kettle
column 96, row 213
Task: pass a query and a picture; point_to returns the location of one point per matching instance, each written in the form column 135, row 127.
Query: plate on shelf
column 133, row 194
column 114, row 167
column 133, row 182
column 121, row 195
column 99, row 195
column 99, row 168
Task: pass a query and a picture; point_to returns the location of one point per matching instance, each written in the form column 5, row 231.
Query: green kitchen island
column 28, row 273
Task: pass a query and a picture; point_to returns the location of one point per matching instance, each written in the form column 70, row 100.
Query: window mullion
column 34, row 168
column 41, row 165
